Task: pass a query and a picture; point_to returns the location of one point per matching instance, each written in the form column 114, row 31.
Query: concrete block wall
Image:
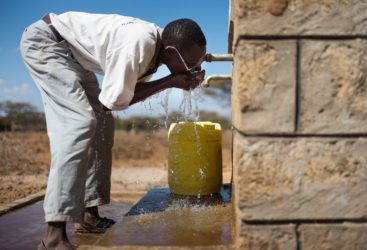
column 299, row 112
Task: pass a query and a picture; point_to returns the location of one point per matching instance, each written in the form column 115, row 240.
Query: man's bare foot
column 56, row 237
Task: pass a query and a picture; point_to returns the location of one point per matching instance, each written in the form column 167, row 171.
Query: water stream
column 190, row 112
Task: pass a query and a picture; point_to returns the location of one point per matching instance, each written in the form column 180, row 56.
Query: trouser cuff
column 97, row 202
column 63, row 217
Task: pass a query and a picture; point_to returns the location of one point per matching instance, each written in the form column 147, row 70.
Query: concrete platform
column 163, row 219
column 159, row 220
column 24, row 228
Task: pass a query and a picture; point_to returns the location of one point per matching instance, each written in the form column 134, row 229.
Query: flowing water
column 164, row 103
column 189, row 107
column 190, row 112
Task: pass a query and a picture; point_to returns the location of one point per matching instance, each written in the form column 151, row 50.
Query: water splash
column 164, row 103
column 197, row 98
column 186, row 105
column 191, row 100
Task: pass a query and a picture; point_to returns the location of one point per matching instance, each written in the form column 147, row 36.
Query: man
column 62, row 53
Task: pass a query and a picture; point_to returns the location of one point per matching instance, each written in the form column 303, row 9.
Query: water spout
column 218, row 58
column 217, row 80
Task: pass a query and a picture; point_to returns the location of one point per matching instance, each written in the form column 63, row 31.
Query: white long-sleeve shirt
column 119, row 47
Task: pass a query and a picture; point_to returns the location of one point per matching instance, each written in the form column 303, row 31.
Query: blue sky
column 15, row 15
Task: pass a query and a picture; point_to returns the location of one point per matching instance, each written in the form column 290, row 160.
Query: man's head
column 184, row 45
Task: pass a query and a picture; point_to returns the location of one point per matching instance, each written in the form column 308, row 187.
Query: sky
column 212, row 16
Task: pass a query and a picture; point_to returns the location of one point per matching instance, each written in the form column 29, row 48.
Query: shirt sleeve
column 123, row 67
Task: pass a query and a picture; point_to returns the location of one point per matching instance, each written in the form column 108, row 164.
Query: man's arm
column 183, row 81
column 145, row 89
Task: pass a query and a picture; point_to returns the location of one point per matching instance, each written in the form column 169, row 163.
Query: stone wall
column 299, row 110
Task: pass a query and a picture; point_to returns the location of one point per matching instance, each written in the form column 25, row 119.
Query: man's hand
column 185, row 81
column 188, row 81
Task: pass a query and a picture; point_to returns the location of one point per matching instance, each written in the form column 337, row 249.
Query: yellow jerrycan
column 195, row 158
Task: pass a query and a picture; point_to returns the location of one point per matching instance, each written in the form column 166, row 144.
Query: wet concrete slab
column 163, row 219
column 159, row 219
column 25, row 227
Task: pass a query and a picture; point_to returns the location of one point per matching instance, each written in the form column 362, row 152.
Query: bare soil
column 139, row 162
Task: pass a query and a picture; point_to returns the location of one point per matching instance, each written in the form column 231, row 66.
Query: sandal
column 86, row 227
column 107, row 220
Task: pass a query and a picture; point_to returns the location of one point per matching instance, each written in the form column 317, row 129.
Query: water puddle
column 163, row 219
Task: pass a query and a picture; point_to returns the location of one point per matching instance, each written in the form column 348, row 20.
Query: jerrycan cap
column 208, row 125
column 192, row 131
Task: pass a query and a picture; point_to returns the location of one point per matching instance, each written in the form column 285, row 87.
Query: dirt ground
column 139, row 162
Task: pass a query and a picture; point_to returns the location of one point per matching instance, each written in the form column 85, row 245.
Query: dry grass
column 25, row 157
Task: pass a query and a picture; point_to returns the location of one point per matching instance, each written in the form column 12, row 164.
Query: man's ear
column 169, row 51
column 167, row 55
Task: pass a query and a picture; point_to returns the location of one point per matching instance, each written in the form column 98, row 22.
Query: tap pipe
column 218, row 58
column 217, row 80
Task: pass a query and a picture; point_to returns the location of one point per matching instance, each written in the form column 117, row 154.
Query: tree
column 22, row 116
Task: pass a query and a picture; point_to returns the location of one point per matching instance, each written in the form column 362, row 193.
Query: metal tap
column 217, row 80
column 218, row 58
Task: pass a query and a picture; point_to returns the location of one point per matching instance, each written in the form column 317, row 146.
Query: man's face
column 185, row 61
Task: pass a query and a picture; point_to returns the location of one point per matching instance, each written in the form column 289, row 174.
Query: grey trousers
column 80, row 132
